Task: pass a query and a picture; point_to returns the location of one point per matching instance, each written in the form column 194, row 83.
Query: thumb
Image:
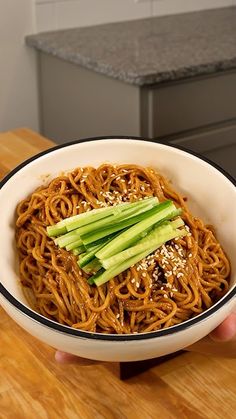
column 225, row 331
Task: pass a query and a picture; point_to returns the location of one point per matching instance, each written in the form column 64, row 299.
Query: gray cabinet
column 198, row 113
column 189, row 104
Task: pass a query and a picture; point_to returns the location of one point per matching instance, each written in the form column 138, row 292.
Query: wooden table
column 33, row 386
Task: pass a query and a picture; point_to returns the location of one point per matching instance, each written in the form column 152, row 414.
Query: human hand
column 221, row 342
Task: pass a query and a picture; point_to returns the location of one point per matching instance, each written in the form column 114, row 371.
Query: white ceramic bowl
column 211, row 195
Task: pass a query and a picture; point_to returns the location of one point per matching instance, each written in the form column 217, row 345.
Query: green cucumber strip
column 96, row 275
column 78, row 250
column 79, row 220
column 105, row 276
column 83, row 218
column 92, row 267
column 116, row 210
column 54, row 230
column 105, row 232
column 103, row 240
column 74, row 245
column 114, row 219
column 93, row 237
column 156, row 236
column 177, row 223
column 128, row 237
column 67, row 238
column 88, row 256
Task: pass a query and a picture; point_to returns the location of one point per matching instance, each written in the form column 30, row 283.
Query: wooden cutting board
column 34, row 386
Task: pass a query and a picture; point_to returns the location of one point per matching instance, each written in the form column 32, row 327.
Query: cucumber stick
column 79, row 220
column 134, row 233
column 121, row 267
column 156, row 237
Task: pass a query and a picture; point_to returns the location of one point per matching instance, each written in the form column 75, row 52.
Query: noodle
column 179, row 280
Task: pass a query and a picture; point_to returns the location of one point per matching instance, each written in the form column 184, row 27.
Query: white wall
column 18, row 85
column 60, row 14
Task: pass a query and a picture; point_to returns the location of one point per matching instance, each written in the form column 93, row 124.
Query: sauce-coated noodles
column 179, row 281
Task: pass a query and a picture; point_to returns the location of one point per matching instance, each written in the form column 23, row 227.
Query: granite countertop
column 148, row 51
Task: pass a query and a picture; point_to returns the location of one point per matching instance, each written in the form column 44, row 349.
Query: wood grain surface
column 34, row 386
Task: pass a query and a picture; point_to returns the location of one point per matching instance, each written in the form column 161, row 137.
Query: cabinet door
column 188, row 104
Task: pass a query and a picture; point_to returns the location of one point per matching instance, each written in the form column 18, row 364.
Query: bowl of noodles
column 165, row 300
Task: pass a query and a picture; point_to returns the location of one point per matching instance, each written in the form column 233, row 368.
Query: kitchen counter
column 149, row 51
column 34, row 386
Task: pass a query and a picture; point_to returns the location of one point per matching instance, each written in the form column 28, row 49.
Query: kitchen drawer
column 189, row 104
column 204, row 140
column 216, row 143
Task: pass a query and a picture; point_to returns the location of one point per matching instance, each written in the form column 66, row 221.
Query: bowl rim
column 57, row 327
